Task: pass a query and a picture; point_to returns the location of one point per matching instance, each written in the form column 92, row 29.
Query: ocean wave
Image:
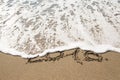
column 31, row 28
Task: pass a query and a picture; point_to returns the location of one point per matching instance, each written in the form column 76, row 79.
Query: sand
column 15, row 68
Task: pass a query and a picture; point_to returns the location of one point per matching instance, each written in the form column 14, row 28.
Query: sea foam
column 31, row 28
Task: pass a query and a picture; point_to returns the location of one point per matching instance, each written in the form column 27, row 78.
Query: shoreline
column 96, row 48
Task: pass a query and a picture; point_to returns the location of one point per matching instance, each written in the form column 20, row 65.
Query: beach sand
column 15, row 68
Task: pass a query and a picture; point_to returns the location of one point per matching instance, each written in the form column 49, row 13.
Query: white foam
column 31, row 28
column 98, row 49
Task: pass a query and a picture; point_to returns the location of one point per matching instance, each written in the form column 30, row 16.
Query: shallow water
column 34, row 27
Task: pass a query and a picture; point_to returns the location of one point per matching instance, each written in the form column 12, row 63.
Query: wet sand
column 15, row 68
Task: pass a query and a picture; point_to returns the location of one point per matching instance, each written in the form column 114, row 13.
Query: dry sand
column 15, row 68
